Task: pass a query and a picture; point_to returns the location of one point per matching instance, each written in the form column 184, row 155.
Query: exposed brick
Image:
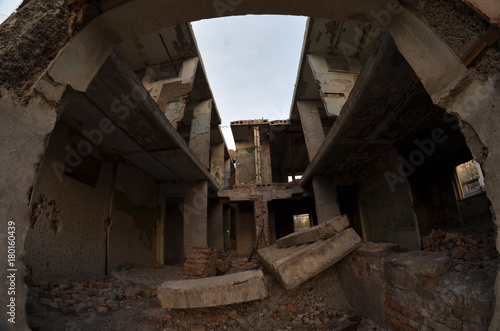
column 387, row 297
column 436, row 325
column 396, row 322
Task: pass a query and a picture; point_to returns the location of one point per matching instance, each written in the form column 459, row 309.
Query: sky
column 7, row 7
column 251, row 63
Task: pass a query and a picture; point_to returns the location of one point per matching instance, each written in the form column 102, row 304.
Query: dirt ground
column 131, row 304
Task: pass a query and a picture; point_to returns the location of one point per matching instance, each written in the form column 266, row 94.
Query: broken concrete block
column 294, row 265
column 332, row 227
column 323, row 231
column 213, row 291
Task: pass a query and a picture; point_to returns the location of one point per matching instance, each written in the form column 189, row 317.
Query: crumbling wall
column 32, row 38
column 416, row 291
column 428, row 292
column 67, row 222
column 459, row 26
column 132, row 238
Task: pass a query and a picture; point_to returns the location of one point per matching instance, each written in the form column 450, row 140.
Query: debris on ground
column 468, row 247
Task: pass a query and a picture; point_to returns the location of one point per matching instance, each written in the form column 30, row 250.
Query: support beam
column 195, row 216
column 312, row 126
column 199, row 138
column 325, row 198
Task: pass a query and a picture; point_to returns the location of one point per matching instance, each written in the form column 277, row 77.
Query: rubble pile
column 79, row 297
column 471, row 248
column 229, row 262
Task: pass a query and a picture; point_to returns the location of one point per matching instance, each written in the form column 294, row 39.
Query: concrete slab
column 213, row 291
column 294, row 265
column 315, row 233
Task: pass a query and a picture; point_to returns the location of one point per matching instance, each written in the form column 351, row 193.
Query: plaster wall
column 134, row 212
column 68, row 235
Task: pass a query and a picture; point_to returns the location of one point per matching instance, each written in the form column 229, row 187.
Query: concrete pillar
column 262, row 231
column 195, row 216
column 227, row 227
column 217, row 163
column 216, row 226
column 199, row 138
column 245, row 228
column 325, row 192
column 228, row 172
column 312, row 126
column 325, row 198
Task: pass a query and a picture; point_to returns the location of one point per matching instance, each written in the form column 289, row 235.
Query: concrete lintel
column 269, row 193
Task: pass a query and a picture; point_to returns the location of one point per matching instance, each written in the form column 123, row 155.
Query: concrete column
column 195, row 216
column 312, row 126
column 199, row 138
column 262, row 231
column 216, row 226
column 217, row 163
column 227, row 173
column 227, row 227
column 245, row 228
column 325, row 198
column 256, row 139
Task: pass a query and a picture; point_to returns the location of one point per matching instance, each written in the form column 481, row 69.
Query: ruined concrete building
column 112, row 152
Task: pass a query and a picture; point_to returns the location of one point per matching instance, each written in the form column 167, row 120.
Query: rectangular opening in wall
column 301, row 222
column 470, row 179
column 290, row 178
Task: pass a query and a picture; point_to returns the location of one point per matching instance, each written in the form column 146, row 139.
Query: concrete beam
column 294, row 265
column 213, row 291
column 311, row 125
column 199, row 138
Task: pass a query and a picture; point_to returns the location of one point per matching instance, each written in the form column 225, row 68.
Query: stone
column 112, row 304
column 213, row 291
column 102, row 310
column 294, row 265
column 323, row 231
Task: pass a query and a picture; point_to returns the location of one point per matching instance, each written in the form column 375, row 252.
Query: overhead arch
column 437, row 66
